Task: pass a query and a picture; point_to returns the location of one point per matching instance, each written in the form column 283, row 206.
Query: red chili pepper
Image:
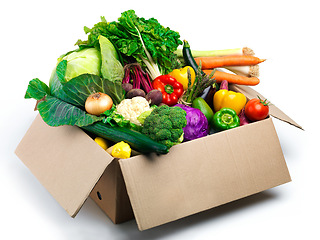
column 171, row 89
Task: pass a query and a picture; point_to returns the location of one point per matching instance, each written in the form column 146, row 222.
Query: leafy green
column 81, row 87
column 57, row 79
column 63, row 103
column 147, row 41
column 56, row 112
column 114, row 119
column 36, row 89
column 111, row 68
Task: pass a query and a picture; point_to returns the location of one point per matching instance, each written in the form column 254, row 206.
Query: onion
column 98, row 103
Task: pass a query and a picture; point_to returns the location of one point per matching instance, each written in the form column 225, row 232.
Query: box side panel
column 124, row 209
column 104, row 192
column 66, row 161
column 111, row 196
column 204, row 173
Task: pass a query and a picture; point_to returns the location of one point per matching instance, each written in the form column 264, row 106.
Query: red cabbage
column 197, row 123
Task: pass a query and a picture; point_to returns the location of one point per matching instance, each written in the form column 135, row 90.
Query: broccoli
column 165, row 125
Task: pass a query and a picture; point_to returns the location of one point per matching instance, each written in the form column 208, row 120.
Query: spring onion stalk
column 218, row 53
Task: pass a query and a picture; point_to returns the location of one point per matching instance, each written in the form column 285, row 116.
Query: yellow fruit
column 101, row 142
column 121, row 150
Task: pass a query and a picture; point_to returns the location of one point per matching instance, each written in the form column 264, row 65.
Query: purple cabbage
column 197, row 123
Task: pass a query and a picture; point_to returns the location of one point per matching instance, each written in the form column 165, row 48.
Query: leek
column 217, row 53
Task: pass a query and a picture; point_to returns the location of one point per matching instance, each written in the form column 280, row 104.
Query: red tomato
column 256, row 109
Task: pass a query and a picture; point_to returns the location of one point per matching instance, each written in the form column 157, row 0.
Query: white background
column 286, row 33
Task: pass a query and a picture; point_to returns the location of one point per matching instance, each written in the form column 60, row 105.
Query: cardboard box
column 156, row 189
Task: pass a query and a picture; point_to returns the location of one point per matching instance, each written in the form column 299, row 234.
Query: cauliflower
column 131, row 109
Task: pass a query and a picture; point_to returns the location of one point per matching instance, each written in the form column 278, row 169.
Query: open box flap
column 66, row 161
column 204, row 173
column 274, row 111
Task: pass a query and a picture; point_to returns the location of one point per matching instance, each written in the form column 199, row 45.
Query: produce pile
column 130, row 87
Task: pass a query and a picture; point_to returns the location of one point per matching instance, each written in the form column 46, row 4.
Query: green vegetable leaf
column 115, row 119
column 111, row 68
column 57, row 79
column 61, row 71
column 137, row 37
column 36, row 89
column 56, row 112
column 80, row 88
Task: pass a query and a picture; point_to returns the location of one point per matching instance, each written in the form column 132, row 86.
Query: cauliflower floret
column 130, row 109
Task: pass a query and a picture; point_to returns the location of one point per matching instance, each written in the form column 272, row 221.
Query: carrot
column 239, row 60
column 233, row 78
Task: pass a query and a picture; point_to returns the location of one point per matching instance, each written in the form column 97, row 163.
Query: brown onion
column 98, row 103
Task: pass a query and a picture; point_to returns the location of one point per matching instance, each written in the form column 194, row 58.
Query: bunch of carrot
column 242, row 64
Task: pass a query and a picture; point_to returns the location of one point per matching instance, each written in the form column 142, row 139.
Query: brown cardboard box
column 156, row 189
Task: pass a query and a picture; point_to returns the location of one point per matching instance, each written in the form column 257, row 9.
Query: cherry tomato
column 256, row 109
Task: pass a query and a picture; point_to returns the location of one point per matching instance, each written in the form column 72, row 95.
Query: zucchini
column 135, row 139
column 188, row 58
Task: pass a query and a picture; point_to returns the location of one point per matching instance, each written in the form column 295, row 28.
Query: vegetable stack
column 128, row 86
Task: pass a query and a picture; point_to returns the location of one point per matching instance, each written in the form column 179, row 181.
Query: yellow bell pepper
column 121, row 150
column 229, row 99
column 181, row 75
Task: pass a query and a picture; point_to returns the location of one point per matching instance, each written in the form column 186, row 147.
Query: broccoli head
column 165, row 125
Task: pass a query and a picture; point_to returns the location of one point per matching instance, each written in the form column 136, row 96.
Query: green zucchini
column 135, row 139
column 188, row 58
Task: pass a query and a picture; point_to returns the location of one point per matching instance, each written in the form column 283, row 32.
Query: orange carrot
column 236, row 60
column 233, row 78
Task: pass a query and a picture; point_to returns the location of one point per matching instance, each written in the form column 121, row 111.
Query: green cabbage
column 111, row 68
column 84, row 61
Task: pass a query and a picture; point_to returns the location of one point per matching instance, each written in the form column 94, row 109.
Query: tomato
column 256, row 109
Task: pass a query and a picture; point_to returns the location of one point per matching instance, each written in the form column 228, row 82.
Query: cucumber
column 135, row 139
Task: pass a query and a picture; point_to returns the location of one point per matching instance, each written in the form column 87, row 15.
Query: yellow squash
column 121, row 150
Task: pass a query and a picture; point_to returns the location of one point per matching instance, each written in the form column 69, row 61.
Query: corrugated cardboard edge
column 65, row 160
column 225, row 167
column 274, row 111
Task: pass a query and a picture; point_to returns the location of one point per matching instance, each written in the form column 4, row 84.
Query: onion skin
column 97, row 103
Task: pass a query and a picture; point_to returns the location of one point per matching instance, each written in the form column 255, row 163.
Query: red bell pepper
column 170, row 88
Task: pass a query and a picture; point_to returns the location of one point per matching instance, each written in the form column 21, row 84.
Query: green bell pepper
column 225, row 118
